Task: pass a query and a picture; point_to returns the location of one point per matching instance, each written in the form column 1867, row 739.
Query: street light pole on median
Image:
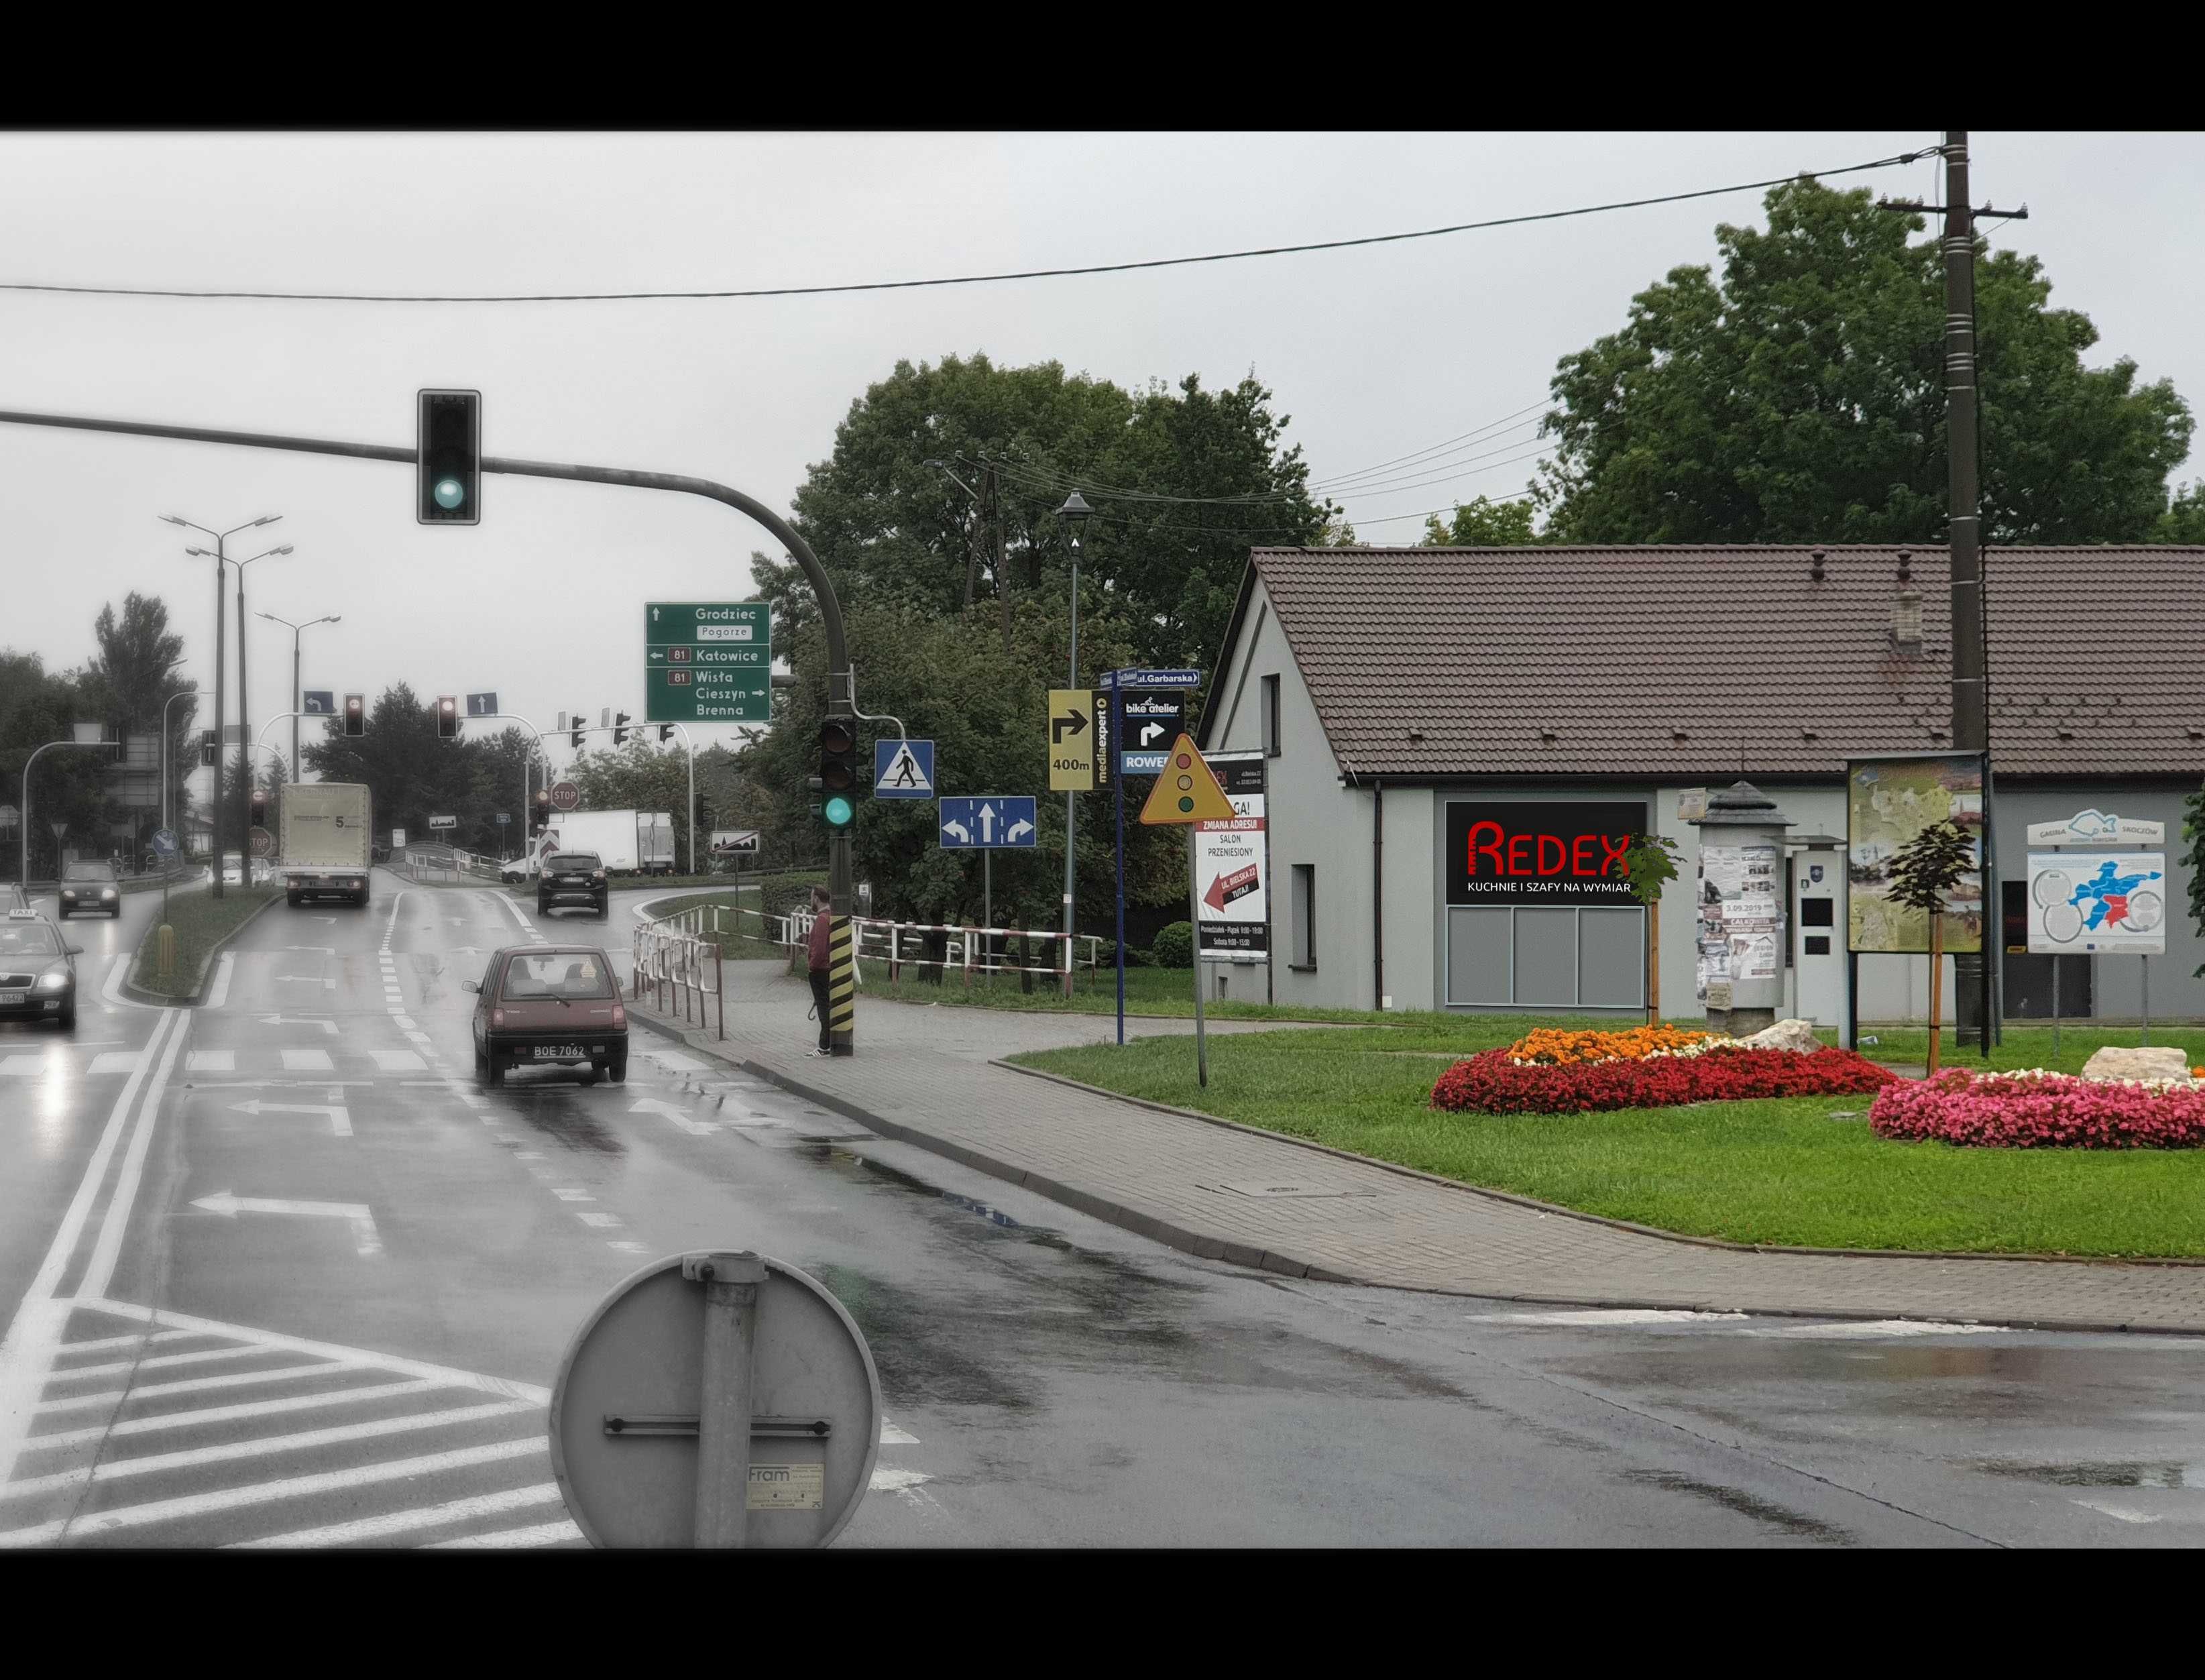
column 297, row 694
column 218, row 555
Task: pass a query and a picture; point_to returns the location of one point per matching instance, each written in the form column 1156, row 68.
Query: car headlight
column 68, row 891
column 107, row 892
column 54, row 980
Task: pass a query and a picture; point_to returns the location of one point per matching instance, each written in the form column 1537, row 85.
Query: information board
column 2084, row 902
column 707, row 661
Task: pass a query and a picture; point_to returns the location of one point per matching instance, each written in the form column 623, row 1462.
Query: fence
column 418, row 865
column 680, row 965
column 965, row 950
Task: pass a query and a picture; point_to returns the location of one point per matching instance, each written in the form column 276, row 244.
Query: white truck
column 324, row 840
column 627, row 842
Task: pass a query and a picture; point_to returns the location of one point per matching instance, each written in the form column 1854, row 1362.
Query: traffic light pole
column 25, row 878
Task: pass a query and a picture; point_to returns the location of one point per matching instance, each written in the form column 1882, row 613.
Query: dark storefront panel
column 1477, row 955
column 1611, row 960
column 1560, row 957
column 1546, row 959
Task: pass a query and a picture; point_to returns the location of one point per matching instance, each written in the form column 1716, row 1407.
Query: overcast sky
column 1375, row 353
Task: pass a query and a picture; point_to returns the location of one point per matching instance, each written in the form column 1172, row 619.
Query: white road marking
column 598, row 1222
column 180, row 1420
column 318, row 950
column 695, row 1128
column 329, row 981
column 676, row 1060
column 202, row 1385
column 264, row 1492
column 211, row 1061
column 260, row 1447
column 407, row 1522
column 307, row 1061
column 363, row 1220
column 116, row 1062
column 218, row 993
column 569, row 1193
column 27, row 1350
column 1884, row 1326
column 629, row 1248
column 892, row 1436
column 894, row 1482
column 165, row 1361
column 399, row 1061
column 26, row 1066
column 324, row 1022
column 339, row 1116
column 1602, row 1316
column 2130, row 1514
column 100, row 1269
column 541, row 1533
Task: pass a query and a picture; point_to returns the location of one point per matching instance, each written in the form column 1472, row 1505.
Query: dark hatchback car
column 90, row 887
column 38, row 981
column 572, row 877
column 548, row 1005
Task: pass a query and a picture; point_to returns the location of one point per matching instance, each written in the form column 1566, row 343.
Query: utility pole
column 1970, row 699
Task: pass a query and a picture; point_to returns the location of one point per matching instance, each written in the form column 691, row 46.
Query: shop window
column 1304, row 946
column 1271, row 716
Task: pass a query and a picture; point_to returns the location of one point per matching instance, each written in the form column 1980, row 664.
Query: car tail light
column 497, row 1017
column 620, row 1015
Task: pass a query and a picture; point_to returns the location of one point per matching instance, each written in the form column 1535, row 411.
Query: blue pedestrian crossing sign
column 482, row 705
column 988, row 821
column 903, row 769
column 321, row 703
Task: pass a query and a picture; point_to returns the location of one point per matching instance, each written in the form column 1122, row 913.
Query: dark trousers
column 819, row 977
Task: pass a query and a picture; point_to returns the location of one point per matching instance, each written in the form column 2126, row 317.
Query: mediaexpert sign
column 1538, row 853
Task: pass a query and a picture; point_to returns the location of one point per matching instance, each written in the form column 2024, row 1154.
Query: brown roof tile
column 1692, row 661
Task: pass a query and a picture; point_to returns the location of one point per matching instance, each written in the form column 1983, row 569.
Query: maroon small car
column 548, row 1005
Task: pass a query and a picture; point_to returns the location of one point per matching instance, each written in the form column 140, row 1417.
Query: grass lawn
column 2024, row 1046
column 1783, row 1171
column 202, row 922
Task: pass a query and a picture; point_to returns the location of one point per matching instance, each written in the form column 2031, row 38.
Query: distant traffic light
column 665, row 734
column 542, row 809
column 448, row 458
column 620, row 735
column 355, row 721
column 576, row 738
column 259, row 807
column 210, row 753
column 448, row 717
column 838, row 771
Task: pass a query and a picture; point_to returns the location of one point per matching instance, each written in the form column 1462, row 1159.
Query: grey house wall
column 1318, row 821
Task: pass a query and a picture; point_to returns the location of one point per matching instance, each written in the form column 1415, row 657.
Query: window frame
column 1302, row 912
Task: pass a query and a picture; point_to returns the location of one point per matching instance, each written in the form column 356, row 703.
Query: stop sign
column 565, row 796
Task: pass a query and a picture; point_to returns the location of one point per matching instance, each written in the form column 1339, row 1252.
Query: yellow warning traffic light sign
column 1186, row 790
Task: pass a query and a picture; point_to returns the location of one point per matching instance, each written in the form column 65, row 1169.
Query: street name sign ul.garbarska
column 707, row 661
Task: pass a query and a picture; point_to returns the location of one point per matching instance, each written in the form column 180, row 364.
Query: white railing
column 967, row 950
column 680, row 966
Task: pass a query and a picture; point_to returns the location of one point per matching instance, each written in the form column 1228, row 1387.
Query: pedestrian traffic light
column 448, row 458
column 838, row 770
column 448, row 717
column 210, row 753
column 355, row 714
column 620, row 735
column 665, row 734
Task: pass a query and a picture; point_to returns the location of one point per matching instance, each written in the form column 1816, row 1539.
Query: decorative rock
column 1784, row 1036
column 2139, row 1062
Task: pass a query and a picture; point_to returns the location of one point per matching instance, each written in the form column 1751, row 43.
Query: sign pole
column 988, row 910
column 2146, row 961
column 2055, row 1006
column 723, row 1413
column 1194, row 922
column 1118, row 801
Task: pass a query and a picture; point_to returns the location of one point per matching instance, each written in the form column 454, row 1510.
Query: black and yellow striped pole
column 841, row 987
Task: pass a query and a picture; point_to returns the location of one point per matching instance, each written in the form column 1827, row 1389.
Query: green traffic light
column 450, row 493
column 839, row 812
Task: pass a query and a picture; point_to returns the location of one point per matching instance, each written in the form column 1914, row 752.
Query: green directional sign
column 707, row 661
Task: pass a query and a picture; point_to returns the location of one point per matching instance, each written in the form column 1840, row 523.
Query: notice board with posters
column 1540, row 851
column 1888, row 801
column 1233, row 867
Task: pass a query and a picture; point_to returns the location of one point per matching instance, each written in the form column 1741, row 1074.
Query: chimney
column 1907, row 609
column 1815, row 566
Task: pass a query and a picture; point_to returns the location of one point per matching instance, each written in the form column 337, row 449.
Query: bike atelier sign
column 1540, row 853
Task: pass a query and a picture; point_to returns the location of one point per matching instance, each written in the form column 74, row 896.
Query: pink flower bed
column 2040, row 1111
column 1494, row 1083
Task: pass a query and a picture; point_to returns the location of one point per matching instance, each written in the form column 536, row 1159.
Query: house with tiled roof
column 1401, row 696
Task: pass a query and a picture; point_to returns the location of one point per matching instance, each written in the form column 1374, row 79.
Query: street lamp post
column 24, row 878
column 218, row 554
column 166, row 787
column 297, row 694
column 1075, row 514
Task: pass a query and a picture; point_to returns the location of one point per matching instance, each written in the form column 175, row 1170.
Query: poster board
column 1739, row 892
column 1233, row 867
column 2086, row 902
column 1888, row 801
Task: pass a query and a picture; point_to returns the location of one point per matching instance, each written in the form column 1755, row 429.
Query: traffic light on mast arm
column 620, row 735
column 448, row 717
column 259, row 807
column 576, row 738
column 448, row 458
column 665, row 734
column 837, row 780
column 210, row 753
column 356, row 715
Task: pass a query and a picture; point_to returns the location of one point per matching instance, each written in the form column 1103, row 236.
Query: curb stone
column 1205, row 1247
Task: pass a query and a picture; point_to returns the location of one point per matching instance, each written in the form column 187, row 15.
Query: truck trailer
column 627, row 842
column 324, row 842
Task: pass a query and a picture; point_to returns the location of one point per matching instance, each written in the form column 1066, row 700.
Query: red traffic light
column 448, row 716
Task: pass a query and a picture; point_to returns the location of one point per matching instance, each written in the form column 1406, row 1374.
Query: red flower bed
column 1490, row 1083
column 2040, row 1111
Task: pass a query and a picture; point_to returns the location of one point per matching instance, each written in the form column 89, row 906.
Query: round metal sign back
column 625, row 1407
column 565, row 796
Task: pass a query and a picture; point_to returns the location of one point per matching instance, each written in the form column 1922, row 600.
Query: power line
column 952, row 280
column 1055, row 483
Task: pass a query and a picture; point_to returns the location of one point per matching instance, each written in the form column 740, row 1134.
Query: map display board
column 1888, row 801
column 1741, row 914
column 2086, row 901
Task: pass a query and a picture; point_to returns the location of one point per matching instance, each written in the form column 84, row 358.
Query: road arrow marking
column 321, row 1021
column 339, row 1116
column 363, row 1221
column 651, row 1105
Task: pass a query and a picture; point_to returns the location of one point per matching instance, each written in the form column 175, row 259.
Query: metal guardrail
column 679, row 964
column 967, row 950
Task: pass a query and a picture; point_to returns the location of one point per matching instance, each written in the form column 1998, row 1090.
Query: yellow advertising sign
column 1186, row 790
column 1071, row 740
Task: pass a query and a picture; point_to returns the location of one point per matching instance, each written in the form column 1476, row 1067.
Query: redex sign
column 1505, row 851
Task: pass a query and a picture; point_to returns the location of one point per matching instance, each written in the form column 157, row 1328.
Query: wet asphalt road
column 374, row 1376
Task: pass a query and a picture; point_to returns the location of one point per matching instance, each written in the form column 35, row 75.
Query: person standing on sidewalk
column 822, row 927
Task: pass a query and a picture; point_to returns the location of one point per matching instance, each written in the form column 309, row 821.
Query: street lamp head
column 285, row 550
column 202, row 554
column 334, row 618
column 268, row 519
column 1075, row 514
column 172, row 519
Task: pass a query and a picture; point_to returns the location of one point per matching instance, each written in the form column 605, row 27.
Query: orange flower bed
column 1553, row 1047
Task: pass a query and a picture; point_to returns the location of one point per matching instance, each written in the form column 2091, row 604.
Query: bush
column 2037, row 1110
column 1493, row 1083
column 1173, row 946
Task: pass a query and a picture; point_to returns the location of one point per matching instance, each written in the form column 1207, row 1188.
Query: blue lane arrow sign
column 482, row 705
column 321, row 703
column 903, row 769
column 988, row 821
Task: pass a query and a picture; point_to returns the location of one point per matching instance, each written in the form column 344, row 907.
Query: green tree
column 1801, row 398
column 1922, row 875
column 411, row 774
column 2184, row 521
column 1483, row 522
column 2193, row 832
